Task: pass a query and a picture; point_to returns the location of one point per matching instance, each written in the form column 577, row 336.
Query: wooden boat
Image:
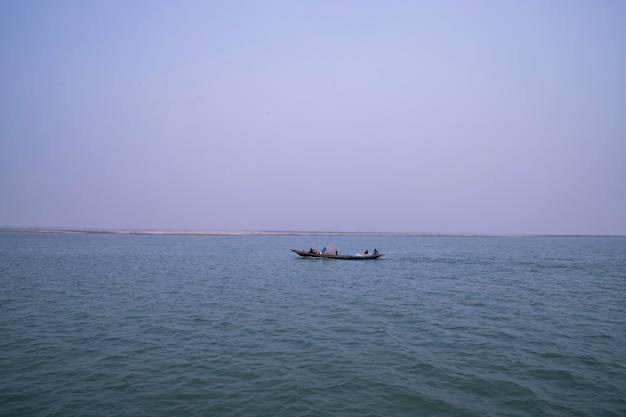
column 334, row 255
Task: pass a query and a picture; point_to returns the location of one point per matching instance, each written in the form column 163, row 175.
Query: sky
column 494, row 117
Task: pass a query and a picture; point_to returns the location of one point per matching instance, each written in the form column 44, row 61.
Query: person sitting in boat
column 366, row 252
column 375, row 251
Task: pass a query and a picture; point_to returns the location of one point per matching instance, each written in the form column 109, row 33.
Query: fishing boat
column 332, row 254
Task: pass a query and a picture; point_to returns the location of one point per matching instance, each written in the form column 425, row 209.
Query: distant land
column 77, row 230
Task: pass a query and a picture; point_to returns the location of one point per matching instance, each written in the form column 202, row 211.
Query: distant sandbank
column 211, row 232
column 76, row 230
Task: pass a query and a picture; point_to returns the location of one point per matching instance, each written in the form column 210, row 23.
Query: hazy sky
column 384, row 116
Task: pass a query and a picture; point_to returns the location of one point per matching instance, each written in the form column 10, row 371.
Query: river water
column 140, row 325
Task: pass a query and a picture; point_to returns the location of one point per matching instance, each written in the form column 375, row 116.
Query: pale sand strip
column 258, row 232
column 211, row 232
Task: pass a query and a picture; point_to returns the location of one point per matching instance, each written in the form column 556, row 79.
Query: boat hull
column 344, row 257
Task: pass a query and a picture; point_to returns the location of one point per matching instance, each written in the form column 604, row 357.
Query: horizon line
column 204, row 232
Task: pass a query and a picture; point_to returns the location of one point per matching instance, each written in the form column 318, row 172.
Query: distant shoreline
column 168, row 232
